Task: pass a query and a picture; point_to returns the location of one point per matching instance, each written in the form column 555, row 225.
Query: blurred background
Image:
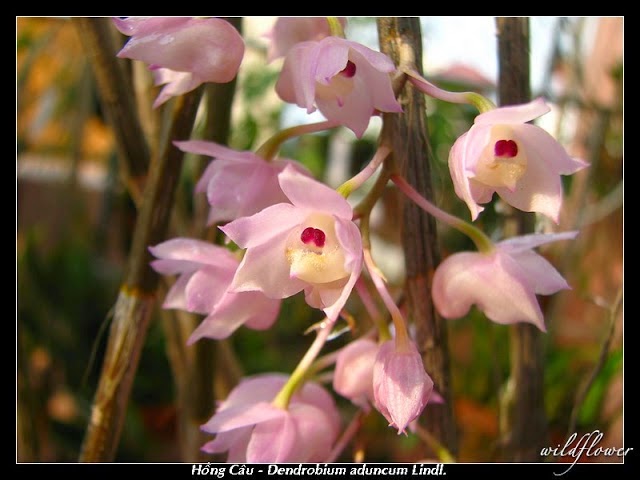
column 74, row 221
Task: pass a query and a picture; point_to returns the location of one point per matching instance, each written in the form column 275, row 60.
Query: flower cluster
column 291, row 233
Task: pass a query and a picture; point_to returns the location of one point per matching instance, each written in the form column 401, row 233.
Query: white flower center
column 503, row 161
column 313, row 251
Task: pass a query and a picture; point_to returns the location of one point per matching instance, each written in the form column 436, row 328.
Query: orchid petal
column 272, row 441
column 334, row 53
column 545, row 279
column 289, row 31
column 539, row 190
column 307, row 193
column 514, row 114
column 256, row 388
column 196, row 251
column 215, row 150
column 242, row 416
column 265, row 268
column 225, row 440
column 542, row 147
column 296, row 83
column 210, row 48
column 264, row 226
column 205, row 288
column 177, row 83
column 493, row 282
column 176, row 296
column 145, row 25
column 349, row 237
column 315, row 433
column 526, row 242
column 234, row 310
column 457, row 170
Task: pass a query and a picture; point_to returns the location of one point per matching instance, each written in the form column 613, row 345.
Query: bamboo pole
column 136, row 298
column 523, row 417
column 401, row 39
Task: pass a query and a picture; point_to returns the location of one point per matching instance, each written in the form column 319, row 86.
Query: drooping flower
column 353, row 375
column 184, row 52
column 401, row 386
column 238, row 184
column 502, row 283
column 288, row 31
column 205, row 274
column 521, row 162
column 310, row 244
column 345, row 80
column 253, row 430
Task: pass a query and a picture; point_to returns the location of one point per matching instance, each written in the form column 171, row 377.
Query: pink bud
column 353, row 376
column 401, row 386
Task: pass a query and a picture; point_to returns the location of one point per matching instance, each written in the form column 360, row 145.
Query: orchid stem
column 372, row 310
column 347, row 435
column 299, row 374
column 481, row 241
column 135, row 301
column 335, row 27
column 364, row 208
column 440, row 450
column 356, row 182
column 483, row 104
column 270, row 148
column 402, row 335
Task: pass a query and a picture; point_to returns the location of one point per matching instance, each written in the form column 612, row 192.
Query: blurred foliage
column 72, row 240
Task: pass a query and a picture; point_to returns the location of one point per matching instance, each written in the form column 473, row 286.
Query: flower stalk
column 482, row 242
column 482, row 103
column 335, row 27
column 299, row 375
column 269, row 149
column 402, row 335
column 356, row 182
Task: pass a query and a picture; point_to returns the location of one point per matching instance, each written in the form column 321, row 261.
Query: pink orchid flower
column 310, row 244
column 288, row 31
column 252, row 430
column 519, row 161
column 238, row 184
column 502, row 283
column 184, row 51
column 345, row 80
column 353, row 375
column 205, row 274
column 401, row 386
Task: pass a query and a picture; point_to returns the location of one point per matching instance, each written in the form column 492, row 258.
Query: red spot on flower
column 314, row 235
column 505, row 148
column 350, row 70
